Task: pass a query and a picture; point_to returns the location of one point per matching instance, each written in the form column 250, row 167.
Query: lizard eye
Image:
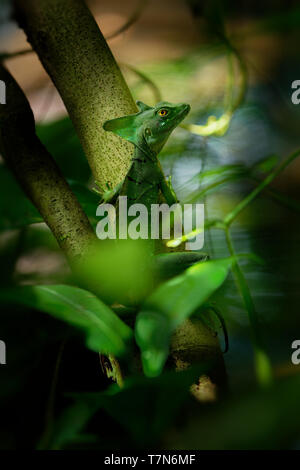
column 163, row 112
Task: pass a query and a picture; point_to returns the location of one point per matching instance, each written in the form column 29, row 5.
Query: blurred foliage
column 105, row 332
column 171, row 304
column 142, row 407
column 231, row 170
column 258, row 420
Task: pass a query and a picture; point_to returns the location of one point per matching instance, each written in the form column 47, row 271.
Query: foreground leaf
column 144, row 408
column 104, row 331
column 170, row 305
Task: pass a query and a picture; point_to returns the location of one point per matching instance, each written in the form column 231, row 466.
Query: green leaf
column 144, row 407
column 121, row 270
column 212, row 179
column 224, row 170
column 70, row 424
column 168, row 265
column 104, row 331
column 266, row 164
column 170, row 305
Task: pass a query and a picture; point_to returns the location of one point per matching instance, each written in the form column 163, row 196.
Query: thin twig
column 13, row 55
column 132, row 19
column 271, row 176
column 147, row 80
column 262, row 363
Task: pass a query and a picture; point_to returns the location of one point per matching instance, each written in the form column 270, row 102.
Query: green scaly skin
column 148, row 130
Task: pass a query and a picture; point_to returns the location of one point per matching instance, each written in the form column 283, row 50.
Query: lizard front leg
column 109, row 194
column 167, row 191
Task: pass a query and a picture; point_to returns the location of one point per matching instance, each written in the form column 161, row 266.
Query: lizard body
column 148, row 130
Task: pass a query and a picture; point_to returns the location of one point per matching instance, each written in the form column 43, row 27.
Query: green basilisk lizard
column 145, row 183
column 148, row 130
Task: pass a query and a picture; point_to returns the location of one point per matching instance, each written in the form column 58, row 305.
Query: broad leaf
column 170, row 305
column 104, row 331
column 168, row 265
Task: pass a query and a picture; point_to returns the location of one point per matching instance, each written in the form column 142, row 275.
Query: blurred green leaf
column 168, row 265
column 71, row 423
column 170, row 305
column 223, row 170
column 144, row 407
column 121, row 271
column 266, row 164
column 104, row 331
column 215, row 177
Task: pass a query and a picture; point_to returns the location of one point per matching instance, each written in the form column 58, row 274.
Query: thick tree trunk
column 75, row 54
column 39, row 175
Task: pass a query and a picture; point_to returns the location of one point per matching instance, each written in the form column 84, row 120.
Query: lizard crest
column 150, row 128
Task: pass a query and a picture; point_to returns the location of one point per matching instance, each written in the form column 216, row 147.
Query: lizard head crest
column 151, row 126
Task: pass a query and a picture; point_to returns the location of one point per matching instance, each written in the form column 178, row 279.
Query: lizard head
column 151, row 126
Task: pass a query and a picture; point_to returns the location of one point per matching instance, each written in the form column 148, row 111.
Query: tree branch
column 39, row 175
column 75, row 54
